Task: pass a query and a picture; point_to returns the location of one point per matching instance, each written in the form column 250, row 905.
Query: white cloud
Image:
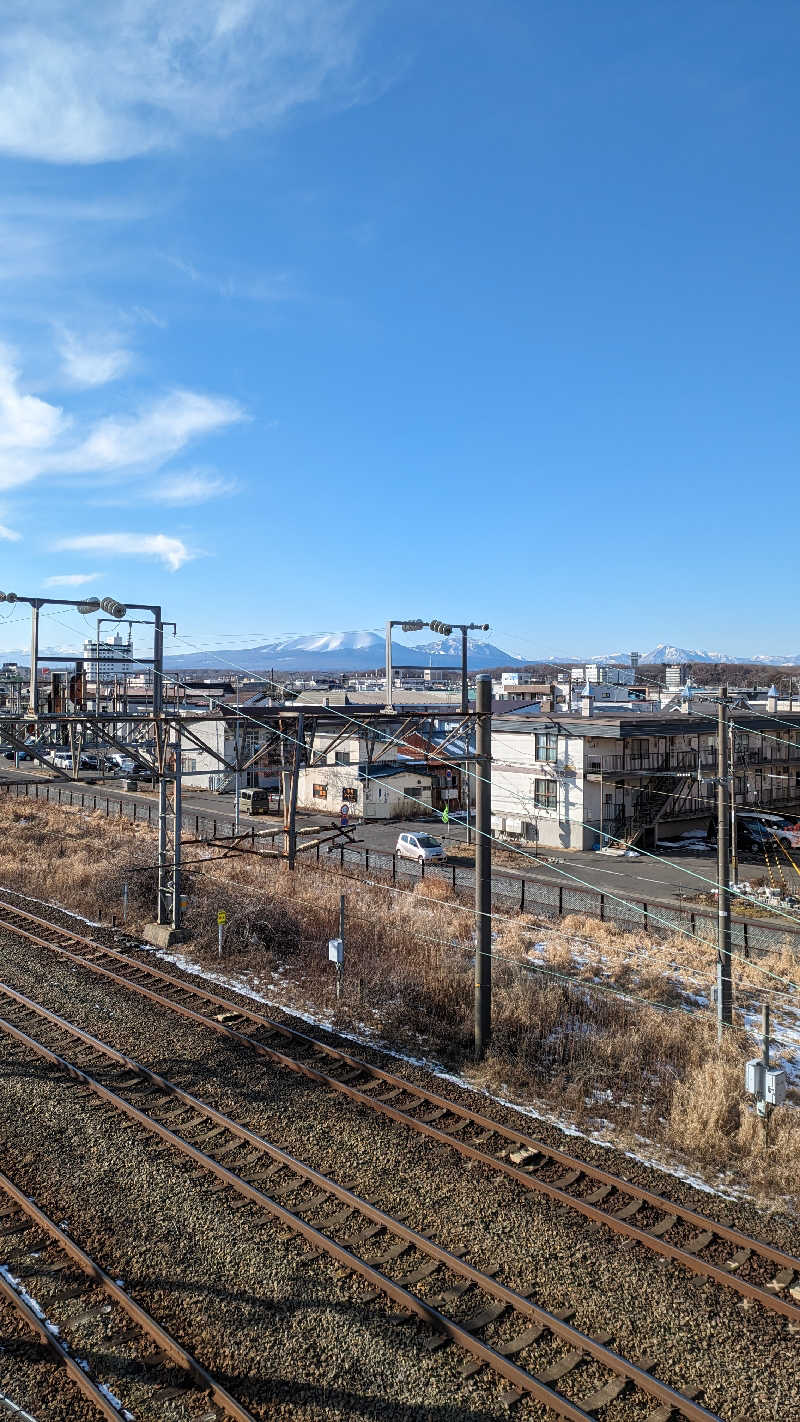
column 89, row 83
column 37, row 438
column 191, row 487
column 88, row 364
column 172, row 552
column 26, row 422
column 72, row 580
column 9, row 534
column 154, row 435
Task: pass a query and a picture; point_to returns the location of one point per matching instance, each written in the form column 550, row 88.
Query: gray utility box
column 775, row 1088
column 765, row 1083
column 754, row 1074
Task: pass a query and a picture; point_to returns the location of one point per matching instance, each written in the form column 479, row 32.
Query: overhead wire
column 512, row 848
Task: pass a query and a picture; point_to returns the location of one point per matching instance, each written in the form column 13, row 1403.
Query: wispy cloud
column 72, row 580
column 88, row 363
column 154, row 435
column 240, row 285
column 89, row 83
column 9, row 534
column 37, row 438
column 172, row 552
column 192, row 487
column 26, row 423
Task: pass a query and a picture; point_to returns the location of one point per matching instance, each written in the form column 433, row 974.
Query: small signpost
column 336, row 950
column 222, row 919
column 344, row 813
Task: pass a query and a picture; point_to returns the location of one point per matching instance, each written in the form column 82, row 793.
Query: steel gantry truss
column 288, row 736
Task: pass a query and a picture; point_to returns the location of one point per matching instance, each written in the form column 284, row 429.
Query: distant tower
column 635, row 661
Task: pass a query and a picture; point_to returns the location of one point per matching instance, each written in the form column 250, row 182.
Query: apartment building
column 570, row 781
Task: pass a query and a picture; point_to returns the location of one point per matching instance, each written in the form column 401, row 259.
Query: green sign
column 445, row 816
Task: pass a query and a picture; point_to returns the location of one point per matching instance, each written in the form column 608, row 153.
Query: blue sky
column 317, row 312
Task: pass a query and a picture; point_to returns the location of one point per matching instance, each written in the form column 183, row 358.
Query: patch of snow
column 366, row 1038
column 48, row 903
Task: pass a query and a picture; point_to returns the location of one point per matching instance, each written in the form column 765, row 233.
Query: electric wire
column 505, row 844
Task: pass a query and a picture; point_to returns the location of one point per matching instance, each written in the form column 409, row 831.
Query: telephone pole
column 483, row 868
column 724, row 980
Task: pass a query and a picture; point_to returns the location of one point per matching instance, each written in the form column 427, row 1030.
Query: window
column 546, row 745
column 188, row 764
column 545, row 794
column 320, row 792
column 342, row 757
column 350, row 794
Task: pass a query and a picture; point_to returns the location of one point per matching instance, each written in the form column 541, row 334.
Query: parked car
column 254, row 801
column 421, row 847
column 755, row 832
column 89, row 761
column 120, row 764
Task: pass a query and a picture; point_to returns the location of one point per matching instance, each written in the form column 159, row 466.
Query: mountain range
column 346, row 651
column 364, row 651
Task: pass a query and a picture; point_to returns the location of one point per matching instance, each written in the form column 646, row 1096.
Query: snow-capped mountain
column 665, row 653
column 344, row 651
column 480, row 654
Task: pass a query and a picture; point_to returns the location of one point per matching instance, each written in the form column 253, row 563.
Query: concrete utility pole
column 732, row 799
column 724, row 979
column 290, row 802
column 176, row 844
column 238, row 778
column 483, row 869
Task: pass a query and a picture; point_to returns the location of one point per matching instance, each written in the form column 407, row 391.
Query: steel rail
column 134, row 1310
column 655, row 1244
column 519, row 1377
column 87, row 1386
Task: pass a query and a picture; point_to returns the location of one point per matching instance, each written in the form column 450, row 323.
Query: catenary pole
column 238, row 778
column 483, row 869
column 176, row 843
column 724, row 979
column 732, row 801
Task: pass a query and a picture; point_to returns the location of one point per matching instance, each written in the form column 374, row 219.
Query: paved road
column 647, row 877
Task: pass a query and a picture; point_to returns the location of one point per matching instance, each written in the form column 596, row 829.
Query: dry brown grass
column 557, row 1037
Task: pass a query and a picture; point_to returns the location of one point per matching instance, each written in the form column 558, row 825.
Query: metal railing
column 519, row 893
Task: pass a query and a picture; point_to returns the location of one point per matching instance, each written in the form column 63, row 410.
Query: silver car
column 419, row 847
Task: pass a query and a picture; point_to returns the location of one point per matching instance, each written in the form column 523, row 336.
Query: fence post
column 134, row 812
column 366, row 860
column 560, row 900
column 454, row 878
column 522, row 895
column 106, row 806
column 36, row 788
column 318, row 851
column 149, row 813
column 644, row 911
column 422, row 868
column 692, row 923
column 341, row 857
column 602, row 908
column 746, row 927
column 47, row 794
column 394, row 867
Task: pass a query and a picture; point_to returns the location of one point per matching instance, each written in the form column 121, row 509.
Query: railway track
column 105, row 1341
column 492, row 1323
column 695, row 1241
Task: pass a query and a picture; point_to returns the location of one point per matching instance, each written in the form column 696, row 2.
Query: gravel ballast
column 697, row 1333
